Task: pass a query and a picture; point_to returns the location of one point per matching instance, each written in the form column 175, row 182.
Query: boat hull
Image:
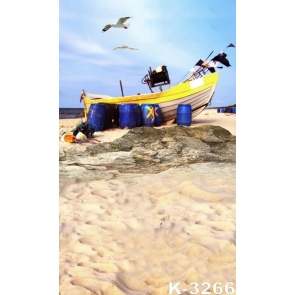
column 198, row 93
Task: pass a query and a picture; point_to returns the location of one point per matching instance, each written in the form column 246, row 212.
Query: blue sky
column 172, row 33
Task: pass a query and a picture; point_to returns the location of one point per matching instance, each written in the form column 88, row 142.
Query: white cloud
column 66, row 14
column 80, row 44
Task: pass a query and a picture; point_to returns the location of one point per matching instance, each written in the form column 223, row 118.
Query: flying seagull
column 124, row 47
column 120, row 24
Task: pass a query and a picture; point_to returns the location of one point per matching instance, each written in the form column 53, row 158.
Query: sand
column 137, row 233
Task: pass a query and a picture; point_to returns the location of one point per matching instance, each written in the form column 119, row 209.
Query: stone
column 145, row 150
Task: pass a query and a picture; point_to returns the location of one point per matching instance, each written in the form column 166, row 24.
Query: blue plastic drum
column 127, row 117
column 148, row 115
column 138, row 115
column 96, row 116
column 184, row 115
column 158, row 115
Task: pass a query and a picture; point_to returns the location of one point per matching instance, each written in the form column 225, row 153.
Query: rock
column 149, row 150
column 123, row 144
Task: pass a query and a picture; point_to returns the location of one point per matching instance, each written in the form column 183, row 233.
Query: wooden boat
column 196, row 92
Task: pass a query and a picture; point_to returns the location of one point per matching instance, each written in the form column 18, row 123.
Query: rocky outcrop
column 148, row 150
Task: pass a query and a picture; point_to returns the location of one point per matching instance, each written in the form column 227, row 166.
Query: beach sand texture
column 134, row 234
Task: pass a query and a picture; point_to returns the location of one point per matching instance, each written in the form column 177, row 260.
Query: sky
column 172, row 33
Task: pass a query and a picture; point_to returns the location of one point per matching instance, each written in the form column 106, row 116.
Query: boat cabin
column 158, row 77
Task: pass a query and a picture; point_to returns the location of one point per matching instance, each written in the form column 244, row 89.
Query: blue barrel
column 218, row 110
column 148, row 115
column 158, row 115
column 127, row 116
column 96, row 116
column 137, row 115
column 184, row 115
column 222, row 110
column 233, row 110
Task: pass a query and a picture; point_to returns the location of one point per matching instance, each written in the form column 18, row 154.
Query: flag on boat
column 199, row 63
column 209, row 65
column 212, row 70
column 221, row 57
column 206, row 64
column 231, row 45
column 212, row 64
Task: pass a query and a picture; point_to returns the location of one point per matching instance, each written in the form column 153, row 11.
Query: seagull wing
column 106, row 28
column 130, row 48
column 122, row 20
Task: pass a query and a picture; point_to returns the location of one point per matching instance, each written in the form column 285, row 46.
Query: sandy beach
column 153, row 233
